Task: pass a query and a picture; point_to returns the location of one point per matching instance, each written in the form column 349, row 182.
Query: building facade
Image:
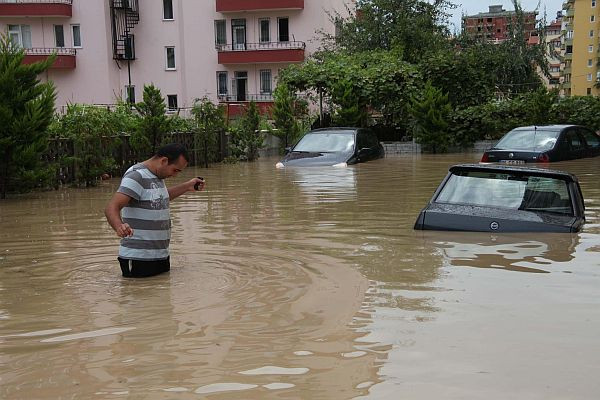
column 581, row 48
column 228, row 50
column 553, row 35
column 495, row 25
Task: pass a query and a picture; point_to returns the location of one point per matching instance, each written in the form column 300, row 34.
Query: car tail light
column 543, row 158
column 485, row 158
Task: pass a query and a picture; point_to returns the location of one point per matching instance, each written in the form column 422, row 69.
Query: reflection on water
column 298, row 283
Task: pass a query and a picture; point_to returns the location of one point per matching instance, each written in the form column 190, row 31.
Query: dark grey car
column 334, row 146
column 497, row 198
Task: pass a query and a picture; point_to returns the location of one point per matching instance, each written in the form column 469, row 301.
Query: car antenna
column 534, row 133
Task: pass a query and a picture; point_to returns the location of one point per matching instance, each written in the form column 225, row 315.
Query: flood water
column 299, row 284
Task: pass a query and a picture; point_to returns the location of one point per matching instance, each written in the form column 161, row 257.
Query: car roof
column 546, row 127
column 551, row 173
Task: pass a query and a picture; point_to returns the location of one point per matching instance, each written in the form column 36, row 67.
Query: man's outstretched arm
column 178, row 190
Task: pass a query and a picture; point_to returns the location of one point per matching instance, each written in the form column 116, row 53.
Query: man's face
column 167, row 170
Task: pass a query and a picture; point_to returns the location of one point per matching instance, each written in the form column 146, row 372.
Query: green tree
column 95, row 134
column 26, row 109
column 245, row 135
column 154, row 123
column 209, row 123
column 285, row 110
column 430, row 115
column 416, row 26
column 351, row 110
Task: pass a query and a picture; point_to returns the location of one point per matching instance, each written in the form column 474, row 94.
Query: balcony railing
column 258, row 98
column 261, row 46
column 65, row 57
column 32, row 8
column 224, row 6
column 261, row 53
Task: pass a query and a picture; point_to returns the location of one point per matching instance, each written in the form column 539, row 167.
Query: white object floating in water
column 354, row 354
column 340, row 165
column 272, row 370
column 43, row 333
column 86, row 335
column 223, row 387
column 364, row 385
column 279, row 165
column 175, row 389
column 303, row 353
column 276, row 386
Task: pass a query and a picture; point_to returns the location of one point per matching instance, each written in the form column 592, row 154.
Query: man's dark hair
column 173, row 151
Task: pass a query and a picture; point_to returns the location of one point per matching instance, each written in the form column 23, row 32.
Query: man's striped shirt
column 148, row 215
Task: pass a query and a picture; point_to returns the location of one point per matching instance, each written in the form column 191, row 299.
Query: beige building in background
column 581, row 48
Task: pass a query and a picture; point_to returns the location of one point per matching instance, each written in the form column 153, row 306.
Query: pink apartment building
column 228, row 50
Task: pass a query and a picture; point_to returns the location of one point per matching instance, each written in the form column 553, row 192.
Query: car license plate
column 512, row 161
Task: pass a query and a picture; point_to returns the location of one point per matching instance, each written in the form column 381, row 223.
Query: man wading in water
column 142, row 201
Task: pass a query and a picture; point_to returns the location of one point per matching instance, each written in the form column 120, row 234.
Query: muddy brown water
column 299, row 284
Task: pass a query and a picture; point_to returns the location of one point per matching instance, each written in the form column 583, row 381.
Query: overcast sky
column 471, row 7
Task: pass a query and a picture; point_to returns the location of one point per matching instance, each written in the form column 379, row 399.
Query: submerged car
column 334, row 147
column 498, row 198
column 544, row 144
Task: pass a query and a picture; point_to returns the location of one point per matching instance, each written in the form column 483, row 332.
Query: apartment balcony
column 566, row 70
column 261, row 53
column 65, row 57
column 228, row 6
column 568, row 56
column 36, row 8
column 235, row 105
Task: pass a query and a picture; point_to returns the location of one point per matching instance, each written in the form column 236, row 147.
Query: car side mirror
column 364, row 151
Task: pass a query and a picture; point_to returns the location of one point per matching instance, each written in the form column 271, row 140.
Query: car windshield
column 505, row 190
column 530, row 140
column 324, row 142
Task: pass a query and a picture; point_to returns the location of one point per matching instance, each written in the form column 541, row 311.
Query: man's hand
column 124, row 230
column 198, row 183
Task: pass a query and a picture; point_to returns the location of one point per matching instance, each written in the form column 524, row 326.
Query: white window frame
column 127, row 87
column 169, row 108
column 23, row 34
column 172, row 12
column 217, row 21
column 226, row 92
column 593, row 3
column 73, row 36
column 167, row 67
column 591, row 48
column 592, row 18
column 261, row 81
column 260, row 37
column 590, row 62
column 591, row 33
column 64, row 42
column 589, row 77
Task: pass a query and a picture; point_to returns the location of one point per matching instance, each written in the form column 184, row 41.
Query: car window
column 323, row 142
column 573, row 140
column 372, row 140
column 591, row 138
column 505, row 190
column 530, row 140
column 361, row 140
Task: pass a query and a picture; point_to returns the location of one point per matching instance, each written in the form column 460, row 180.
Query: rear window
column 505, row 190
column 529, row 140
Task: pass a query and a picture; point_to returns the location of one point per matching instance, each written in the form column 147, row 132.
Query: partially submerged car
column 544, row 144
column 498, row 198
column 334, row 147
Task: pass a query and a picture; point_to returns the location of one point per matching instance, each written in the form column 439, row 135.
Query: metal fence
column 124, row 155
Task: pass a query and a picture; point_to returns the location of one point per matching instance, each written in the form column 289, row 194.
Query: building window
column 265, row 30
column 168, row 9
column 130, row 94
column 589, row 62
column 222, row 83
column 592, row 18
column 283, row 25
column 220, row 32
column 589, row 91
column 589, row 77
column 59, row 36
column 591, row 48
column 76, row 31
column 20, row 35
column 591, row 33
column 170, row 54
column 265, row 81
column 593, row 3
column 172, row 102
